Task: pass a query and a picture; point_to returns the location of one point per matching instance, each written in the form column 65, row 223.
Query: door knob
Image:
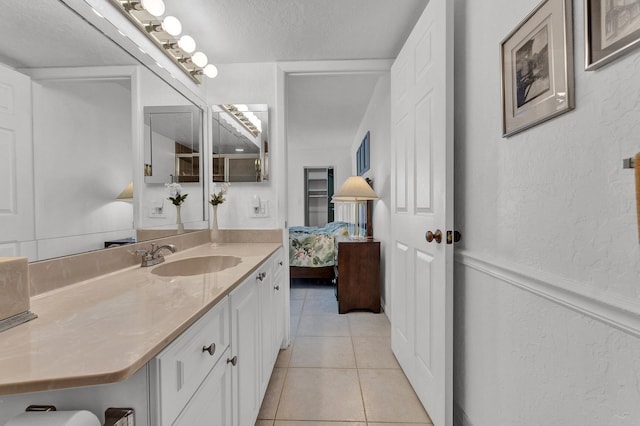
column 431, row 236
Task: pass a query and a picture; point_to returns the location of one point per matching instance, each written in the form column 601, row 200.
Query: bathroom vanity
column 175, row 348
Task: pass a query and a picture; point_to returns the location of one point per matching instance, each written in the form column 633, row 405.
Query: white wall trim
column 616, row 311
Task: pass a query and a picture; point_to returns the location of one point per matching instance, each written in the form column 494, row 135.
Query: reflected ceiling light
column 210, row 71
column 235, row 112
column 200, row 59
column 154, row 7
column 187, row 43
column 163, row 32
column 172, row 25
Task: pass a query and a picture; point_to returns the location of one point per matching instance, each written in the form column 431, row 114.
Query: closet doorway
column 318, row 191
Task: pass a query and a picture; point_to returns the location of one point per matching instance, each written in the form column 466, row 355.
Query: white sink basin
column 196, row 266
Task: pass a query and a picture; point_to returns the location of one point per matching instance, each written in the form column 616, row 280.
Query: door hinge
column 453, row 237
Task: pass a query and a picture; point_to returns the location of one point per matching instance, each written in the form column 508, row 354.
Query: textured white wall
column 377, row 120
column 313, row 156
column 253, row 83
column 554, row 204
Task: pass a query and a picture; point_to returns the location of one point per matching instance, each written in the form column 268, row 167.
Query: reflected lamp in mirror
column 126, row 194
column 172, row 136
column 356, row 191
column 240, row 143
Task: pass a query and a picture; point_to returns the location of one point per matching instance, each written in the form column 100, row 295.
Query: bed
column 312, row 250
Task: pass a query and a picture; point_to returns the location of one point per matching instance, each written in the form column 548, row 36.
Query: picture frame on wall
column 537, row 67
column 612, row 29
column 363, row 155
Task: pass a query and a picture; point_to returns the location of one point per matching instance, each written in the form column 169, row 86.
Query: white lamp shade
column 172, row 25
column 154, row 7
column 355, row 188
column 210, row 71
column 199, row 59
column 187, row 43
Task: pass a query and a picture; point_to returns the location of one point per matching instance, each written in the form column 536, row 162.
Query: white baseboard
column 613, row 310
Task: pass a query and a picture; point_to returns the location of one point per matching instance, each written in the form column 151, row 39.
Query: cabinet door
column 245, row 345
column 266, row 314
column 211, row 404
column 279, row 292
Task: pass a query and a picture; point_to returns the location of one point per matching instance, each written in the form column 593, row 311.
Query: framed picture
column 363, row 156
column 537, row 67
column 611, row 29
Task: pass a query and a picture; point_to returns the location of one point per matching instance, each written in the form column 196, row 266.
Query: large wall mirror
column 240, row 144
column 71, row 114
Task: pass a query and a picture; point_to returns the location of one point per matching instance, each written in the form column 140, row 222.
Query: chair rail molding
column 619, row 312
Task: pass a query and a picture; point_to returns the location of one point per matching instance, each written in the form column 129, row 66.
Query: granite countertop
column 104, row 329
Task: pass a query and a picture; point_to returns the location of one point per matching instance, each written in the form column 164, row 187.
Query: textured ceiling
column 46, row 33
column 236, row 31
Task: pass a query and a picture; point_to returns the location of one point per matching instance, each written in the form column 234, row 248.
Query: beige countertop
column 104, row 329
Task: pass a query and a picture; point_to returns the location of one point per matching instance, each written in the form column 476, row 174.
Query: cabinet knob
column 233, row 361
column 281, row 263
column 211, row 349
column 276, row 288
column 261, row 276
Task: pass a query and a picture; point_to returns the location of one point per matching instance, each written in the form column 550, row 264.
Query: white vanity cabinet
column 215, row 373
column 177, row 373
column 255, row 341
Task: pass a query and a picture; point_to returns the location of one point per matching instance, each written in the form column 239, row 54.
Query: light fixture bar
column 153, row 29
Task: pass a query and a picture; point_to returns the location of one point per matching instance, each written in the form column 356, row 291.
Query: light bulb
column 154, row 7
column 199, row 59
column 187, row 43
column 210, row 71
column 172, row 25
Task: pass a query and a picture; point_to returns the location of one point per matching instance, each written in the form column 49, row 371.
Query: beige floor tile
column 321, row 394
column 284, row 357
column 369, row 324
column 323, row 325
column 295, row 323
column 320, row 306
column 296, row 306
column 332, row 352
column 272, row 395
column 322, row 292
column 374, row 352
column 298, row 293
column 388, row 397
column 397, row 424
column 308, row 423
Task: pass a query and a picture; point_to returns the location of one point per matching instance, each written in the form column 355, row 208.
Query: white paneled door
column 422, row 201
column 16, row 162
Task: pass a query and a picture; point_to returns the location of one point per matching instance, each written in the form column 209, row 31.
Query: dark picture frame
column 611, row 30
column 363, row 155
column 537, row 67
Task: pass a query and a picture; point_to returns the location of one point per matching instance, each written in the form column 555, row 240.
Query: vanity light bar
column 152, row 27
column 241, row 118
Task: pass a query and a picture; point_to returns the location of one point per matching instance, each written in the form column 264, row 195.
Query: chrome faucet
column 153, row 256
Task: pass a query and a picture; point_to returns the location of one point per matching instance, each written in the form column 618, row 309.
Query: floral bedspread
column 314, row 247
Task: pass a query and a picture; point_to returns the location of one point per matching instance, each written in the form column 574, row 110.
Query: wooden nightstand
column 358, row 274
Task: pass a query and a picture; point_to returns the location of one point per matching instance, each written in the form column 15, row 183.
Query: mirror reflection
column 240, row 143
column 71, row 113
column 172, row 137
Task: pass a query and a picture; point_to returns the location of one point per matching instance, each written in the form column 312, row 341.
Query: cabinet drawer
column 277, row 264
column 182, row 366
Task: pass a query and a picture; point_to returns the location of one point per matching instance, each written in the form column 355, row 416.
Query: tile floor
column 339, row 369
